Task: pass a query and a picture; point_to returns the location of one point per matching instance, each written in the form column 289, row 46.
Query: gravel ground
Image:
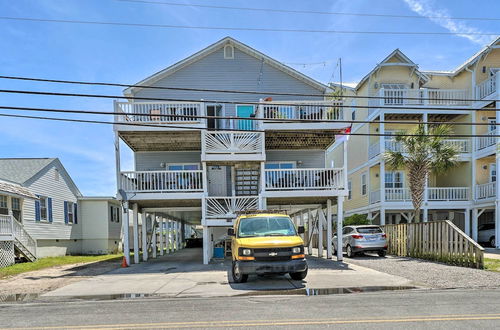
column 430, row 274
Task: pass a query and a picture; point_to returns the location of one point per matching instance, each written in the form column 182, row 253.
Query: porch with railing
column 307, row 110
column 461, row 145
column 227, row 207
column 434, row 194
column 304, row 179
column 421, row 97
column 489, row 140
column 162, row 181
column 487, row 87
column 485, row 191
column 160, row 112
column 12, row 231
column 220, row 145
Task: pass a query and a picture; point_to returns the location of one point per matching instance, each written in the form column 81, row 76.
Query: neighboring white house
column 53, row 213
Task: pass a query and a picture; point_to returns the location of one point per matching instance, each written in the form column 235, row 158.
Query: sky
column 129, row 54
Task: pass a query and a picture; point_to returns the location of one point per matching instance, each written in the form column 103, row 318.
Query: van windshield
column 266, row 226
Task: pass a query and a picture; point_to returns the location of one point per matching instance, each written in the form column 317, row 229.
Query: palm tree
column 422, row 152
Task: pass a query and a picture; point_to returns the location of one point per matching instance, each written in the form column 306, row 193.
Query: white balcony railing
column 486, row 141
column 448, row 193
column 461, row 145
column 304, row 178
column 486, row 87
column 397, row 194
column 229, row 142
column 24, row 238
column 373, row 150
column 226, row 207
column 6, row 225
column 375, row 196
column 310, row 110
column 422, row 97
column 162, row 181
column 486, row 190
column 159, row 112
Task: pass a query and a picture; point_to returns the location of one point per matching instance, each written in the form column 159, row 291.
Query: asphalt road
column 443, row 309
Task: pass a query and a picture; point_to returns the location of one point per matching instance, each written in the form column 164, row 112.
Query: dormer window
column 228, row 52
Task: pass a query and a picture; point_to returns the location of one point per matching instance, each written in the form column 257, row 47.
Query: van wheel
column 238, row 277
column 350, row 252
column 492, row 241
column 299, row 276
column 382, row 253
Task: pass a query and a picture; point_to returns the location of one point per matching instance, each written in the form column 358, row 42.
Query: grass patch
column 53, row 261
column 492, row 264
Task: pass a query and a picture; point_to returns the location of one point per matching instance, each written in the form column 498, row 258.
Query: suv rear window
column 369, row 230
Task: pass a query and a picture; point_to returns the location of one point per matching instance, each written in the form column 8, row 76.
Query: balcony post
column 135, row 209
column 340, row 221
column 310, row 232
column 162, row 240
column 426, row 184
column 153, row 238
column 319, row 212
column 144, row 230
column 329, row 229
column 117, row 160
column 467, row 222
column 125, row 229
column 475, row 216
column 497, row 183
column 382, row 161
column 206, row 245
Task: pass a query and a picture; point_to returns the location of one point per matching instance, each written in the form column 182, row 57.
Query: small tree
column 421, row 153
column 354, row 220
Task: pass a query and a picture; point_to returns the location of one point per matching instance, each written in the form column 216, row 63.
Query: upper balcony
column 488, row 88
column 423, row 97
column 462, row 145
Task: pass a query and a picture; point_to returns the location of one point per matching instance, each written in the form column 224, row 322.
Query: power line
column 227, row 28
column 333, row 105
column 283, row 120
column 235, row 130
column 309, row 11
column 79, row 82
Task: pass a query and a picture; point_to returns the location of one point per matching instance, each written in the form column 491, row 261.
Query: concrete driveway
column 182, row 274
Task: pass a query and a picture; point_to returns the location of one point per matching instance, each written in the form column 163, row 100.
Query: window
column 183, row 167
column 43, row 208
column 349, row 189
column 228, row 52
column 493, row 172
column 3, row 205
column 16, row 208
column 114, row 214
column 279, row 165
column 364, row 184
column 394, row 179
column 70, row 212
column 492, row 124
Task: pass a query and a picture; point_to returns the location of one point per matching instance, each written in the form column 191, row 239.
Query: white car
column 486, row 234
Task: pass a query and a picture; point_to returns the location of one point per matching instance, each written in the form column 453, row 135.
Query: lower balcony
column 226, row 208
column 303, row 181
column 161, row 182
column 434, row 194
column 485, row 191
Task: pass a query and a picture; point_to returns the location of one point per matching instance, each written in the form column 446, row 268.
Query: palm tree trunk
column 417, row 174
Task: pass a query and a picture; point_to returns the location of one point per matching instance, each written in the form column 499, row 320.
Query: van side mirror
column 301, row 229
column 230, row 231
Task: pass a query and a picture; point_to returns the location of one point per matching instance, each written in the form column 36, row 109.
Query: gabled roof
column 216, row 46
column 470, row 61
column 24, row 171
column 403, row 60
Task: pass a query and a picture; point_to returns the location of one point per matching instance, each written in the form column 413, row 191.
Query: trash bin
column 219, row 252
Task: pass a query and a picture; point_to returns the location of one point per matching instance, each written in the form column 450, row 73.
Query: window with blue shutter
column 75, row 215
column 37, row 209
column 49, row 206
column 66, row 220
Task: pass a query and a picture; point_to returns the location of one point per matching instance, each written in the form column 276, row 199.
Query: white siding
column 59, row 191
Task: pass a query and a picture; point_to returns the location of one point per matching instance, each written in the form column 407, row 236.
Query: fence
column 438, row 241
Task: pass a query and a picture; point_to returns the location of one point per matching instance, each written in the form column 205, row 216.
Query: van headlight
column 246, row 252
column 297, row 250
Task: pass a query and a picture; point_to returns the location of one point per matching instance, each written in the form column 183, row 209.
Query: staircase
column 14, row 238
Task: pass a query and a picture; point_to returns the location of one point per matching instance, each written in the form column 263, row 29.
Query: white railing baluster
column 303, row 178
column 162, row 181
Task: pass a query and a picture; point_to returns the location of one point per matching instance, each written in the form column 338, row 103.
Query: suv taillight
column 384, row 236
column 357, row 236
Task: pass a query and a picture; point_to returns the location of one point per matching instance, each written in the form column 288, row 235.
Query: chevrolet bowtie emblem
column 273, row 254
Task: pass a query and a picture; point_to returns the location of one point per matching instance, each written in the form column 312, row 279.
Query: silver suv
column 486, row 234
column 366, row 238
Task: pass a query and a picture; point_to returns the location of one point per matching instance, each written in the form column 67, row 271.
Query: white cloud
column 441, row 16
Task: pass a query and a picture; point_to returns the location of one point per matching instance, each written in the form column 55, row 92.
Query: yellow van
column 266, row 242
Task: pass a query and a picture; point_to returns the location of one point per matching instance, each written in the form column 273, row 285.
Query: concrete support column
column 329, row 229
column 425, row 215
column 153, row 241
column 179, row 243
column 162, row 240
column 144, row 230
column 310, row 231
column 382, row 216
column 320, row 231
column 125, row 229
column 206, row 245
column 467, row 222
column 475, row 217
column 167, row 237
column 340, row 221
column 135, row 209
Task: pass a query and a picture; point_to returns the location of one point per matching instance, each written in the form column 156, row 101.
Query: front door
column 217, row 181
column 245, row 111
